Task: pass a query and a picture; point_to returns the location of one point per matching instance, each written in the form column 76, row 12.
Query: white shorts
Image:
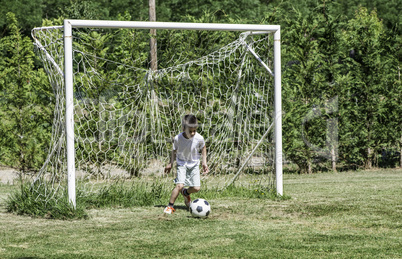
column 188, row 176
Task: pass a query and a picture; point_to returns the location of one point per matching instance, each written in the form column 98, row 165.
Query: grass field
column 342, row 215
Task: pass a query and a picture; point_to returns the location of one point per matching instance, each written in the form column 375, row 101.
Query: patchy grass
column 131, row 193
column 344, row 215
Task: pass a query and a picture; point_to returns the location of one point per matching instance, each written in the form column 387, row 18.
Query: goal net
column 126, row 113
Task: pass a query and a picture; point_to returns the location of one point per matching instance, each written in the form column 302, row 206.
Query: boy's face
column 189, row 132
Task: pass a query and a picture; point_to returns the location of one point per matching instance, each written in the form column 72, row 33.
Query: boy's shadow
column 177, row 207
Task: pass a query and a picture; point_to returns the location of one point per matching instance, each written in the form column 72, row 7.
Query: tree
column 311, row 56
column 25, row 109
column 368, row 74
column 390, row 120
column 21, row 9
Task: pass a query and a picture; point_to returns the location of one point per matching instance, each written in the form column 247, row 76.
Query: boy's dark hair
column 189, row 121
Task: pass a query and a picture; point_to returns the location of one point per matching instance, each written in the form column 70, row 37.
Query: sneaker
column 187, row 199
column 169, row 210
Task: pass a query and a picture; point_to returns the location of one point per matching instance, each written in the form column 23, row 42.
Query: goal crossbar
column 68, row 77
column 171, row 25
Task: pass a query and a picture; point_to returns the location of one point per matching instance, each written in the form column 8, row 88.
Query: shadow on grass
column 177, row 207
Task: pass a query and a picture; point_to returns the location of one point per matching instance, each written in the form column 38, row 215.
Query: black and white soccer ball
column 200, row 208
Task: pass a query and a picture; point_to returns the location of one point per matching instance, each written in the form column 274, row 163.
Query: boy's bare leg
column 186, row 194
column 175, row 193
column 191, row 190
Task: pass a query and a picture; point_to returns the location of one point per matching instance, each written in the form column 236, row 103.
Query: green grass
column 344, row 215
column 120, row 193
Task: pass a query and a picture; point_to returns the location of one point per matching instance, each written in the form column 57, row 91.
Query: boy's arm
column 204, row 160
column 172, row 159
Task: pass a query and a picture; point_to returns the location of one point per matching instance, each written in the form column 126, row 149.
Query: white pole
column 251, row 154
column 172, row 25
column 68, row 79
column 278, row 112
column 259, row 60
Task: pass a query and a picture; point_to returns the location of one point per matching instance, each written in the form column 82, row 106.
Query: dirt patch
column 8, row 176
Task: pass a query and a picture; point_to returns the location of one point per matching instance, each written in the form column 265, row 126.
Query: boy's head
column 190, row 125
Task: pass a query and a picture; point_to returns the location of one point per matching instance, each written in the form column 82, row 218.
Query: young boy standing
column 188, row 147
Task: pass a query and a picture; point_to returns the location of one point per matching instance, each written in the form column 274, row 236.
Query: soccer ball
column 200, row 208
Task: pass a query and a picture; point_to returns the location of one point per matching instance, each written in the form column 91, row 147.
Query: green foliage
column 309, row 84
column 25, row 108
column 368, row 88
column 83, row 9
column 351, row 67
column 331, row 50
column 30, row 13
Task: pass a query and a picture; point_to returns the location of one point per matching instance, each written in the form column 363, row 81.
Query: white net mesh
column 126, row 114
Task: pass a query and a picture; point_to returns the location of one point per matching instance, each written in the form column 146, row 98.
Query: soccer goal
column 115, row 114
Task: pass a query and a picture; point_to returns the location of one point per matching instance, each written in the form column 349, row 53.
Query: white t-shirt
column 188, row 151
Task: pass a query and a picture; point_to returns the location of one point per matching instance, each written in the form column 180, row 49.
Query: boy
column 188, row 147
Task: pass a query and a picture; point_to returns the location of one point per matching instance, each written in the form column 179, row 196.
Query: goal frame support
column 68, row 80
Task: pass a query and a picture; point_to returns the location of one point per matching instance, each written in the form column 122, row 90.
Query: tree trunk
column 333, row 159
column 153, row 53
column 400, row 158
column 369, row 164
column 154, row 67
column 400, row 154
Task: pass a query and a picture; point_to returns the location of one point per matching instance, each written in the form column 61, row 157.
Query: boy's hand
column 205, row 169
column 168, row 168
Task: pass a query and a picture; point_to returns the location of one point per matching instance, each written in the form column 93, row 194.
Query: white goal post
column 274, row 113
column 68, row 41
